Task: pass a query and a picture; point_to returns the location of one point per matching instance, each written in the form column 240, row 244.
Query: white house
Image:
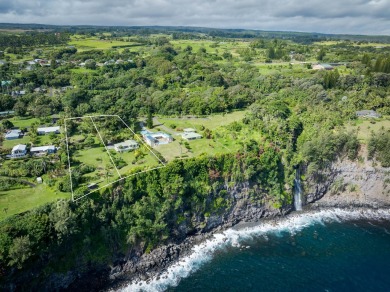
column 48, row 130
column 41, row 150
column 191, row 136
column 154, row 139
column 189, row 130
column 126, row 146
column 13, row 134
column 19, row 150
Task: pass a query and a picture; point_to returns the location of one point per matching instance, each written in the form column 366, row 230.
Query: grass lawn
column 364, row 127
column 23, row 122
column 93, row 43
column 149, row 161
column 20, row 200
column 42, row 141
column 96, row 156
column 82, row 70
column 210, row 122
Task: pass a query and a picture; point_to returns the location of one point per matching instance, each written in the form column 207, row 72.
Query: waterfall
column 297, row 191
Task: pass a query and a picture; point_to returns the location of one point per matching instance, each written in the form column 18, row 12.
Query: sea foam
column 204, row 252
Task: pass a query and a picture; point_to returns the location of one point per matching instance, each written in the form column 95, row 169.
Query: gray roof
column 42, row 148
column 20, row 147
column 371, row 113
column 126, row 143
column 48, row 129
column 191, row 135
column 189, row 130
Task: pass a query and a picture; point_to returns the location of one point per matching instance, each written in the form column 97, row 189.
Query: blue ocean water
column 328, row 251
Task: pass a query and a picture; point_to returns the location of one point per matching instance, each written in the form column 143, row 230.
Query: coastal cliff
column 140, row 266
column 348, row 183
column 343, row 184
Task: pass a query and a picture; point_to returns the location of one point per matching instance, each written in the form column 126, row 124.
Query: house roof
column 191, row 135
column 48, row 129
column 160, row 134
column 19, row 147
column 126, row 143
column 6, row 113
column 189, row 130
column 13, row 133
column 42, row 148
column 326, row 66
column 368, row 113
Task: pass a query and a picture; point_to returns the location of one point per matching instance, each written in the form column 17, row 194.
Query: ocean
column 329, row 250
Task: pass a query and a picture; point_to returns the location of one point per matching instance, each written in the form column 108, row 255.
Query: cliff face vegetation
column 63, row 239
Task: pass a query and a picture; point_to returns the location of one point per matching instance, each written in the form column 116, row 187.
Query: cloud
column 331, row 16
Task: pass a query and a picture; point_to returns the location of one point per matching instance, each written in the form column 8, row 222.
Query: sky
column 325, row 16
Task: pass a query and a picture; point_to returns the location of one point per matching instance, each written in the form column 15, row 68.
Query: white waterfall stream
column 297, row 192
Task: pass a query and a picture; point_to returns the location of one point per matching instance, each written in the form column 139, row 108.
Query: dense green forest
column 290, row 116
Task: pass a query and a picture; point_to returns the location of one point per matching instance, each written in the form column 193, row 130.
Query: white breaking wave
column 204, row 252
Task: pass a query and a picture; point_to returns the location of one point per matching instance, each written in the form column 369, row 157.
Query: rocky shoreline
column 345, row 184
column 371, row 191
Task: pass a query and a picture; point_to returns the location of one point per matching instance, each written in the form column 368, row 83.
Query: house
column 48, row 130
column 13, row 134
column 367, row 114
column 42, row 150
column 154, row 139
column 6, row 113
column 18, row 92
column 126, row 146
column 322, row 67
column 191, row 136
column 189, row 130
column 19, row 150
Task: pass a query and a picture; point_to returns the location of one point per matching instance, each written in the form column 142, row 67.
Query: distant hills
column 301, row 37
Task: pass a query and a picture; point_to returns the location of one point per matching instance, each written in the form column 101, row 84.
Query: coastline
column 191, row 260
column 371, row 195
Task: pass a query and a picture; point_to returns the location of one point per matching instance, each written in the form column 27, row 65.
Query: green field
column 24, row 122
column 42, row 141
column 21, row 200
column 210, row 122
column 365, row 127
column 83, row 44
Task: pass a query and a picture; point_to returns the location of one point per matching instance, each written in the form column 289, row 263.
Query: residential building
column 6, row 113
column 13, row 134
column 191, row 136
column 19, row 150
column 368, row 114
column 154, row 139
column 48, row 130
column 189, row 130
column 322, row 67
column 126, row 146
column 42, row 150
